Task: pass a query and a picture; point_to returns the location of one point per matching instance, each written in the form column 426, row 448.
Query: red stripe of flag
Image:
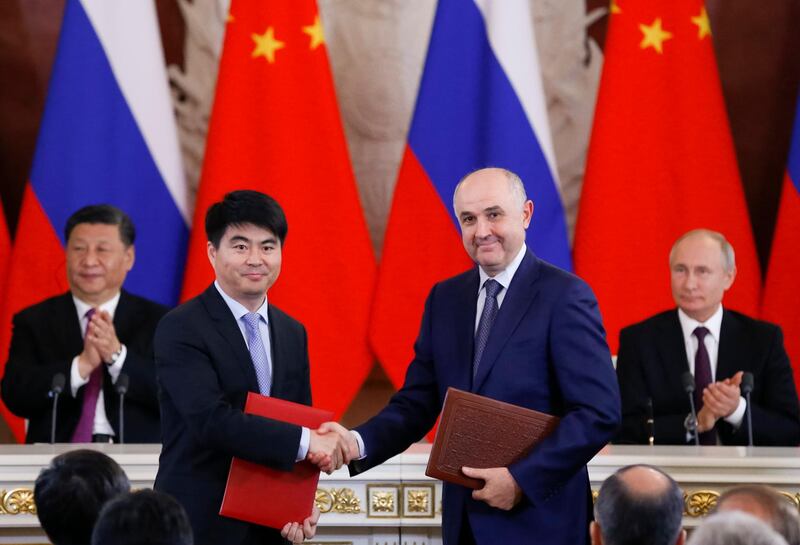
column 661, row 162
column 275, row 128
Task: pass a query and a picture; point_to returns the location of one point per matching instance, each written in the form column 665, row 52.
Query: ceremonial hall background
column 377, row 50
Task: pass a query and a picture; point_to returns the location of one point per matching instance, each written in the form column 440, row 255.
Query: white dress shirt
column 239, row 311
column 711, row 341
column 101, row 423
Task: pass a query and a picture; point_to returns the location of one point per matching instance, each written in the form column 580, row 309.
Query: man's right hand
column 327, row 450
column 89, row 359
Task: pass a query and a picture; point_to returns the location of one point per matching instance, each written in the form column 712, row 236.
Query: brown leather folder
column 477, row 431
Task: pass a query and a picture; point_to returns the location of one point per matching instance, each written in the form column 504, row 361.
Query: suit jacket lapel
column 464, row 308
column 278, row 353
column 70, row 335
column 729, row 350
column 229, row 329
column 672, row 351
column 521, row 293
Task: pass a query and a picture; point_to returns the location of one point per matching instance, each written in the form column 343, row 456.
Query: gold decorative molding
column 382, row 502
column 700, row 503
column 17, row 501
column 794, row 499
column 419, row 500
column 337, row 500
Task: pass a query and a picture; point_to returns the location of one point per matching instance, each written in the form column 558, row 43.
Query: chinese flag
column 5, row 254
column 661, row 162
column 781, row 294
column 275, row 128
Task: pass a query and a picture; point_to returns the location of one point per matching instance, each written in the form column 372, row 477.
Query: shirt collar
column 109, row 306
column 237, row 309
column 713, row 324
column 504, row 277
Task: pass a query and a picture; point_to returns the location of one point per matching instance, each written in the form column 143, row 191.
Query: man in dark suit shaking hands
column 91, row 335
column 516, row 329
column 213, row 350
column 717, row 346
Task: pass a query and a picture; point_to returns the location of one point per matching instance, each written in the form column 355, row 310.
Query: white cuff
column 75, row 378
column 362, row 451
column 116, row 368
column 302, row 448
column 735, row 418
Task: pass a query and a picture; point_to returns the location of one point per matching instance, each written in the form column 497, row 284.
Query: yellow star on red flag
column 315, row 32
column 703, row 25
column 654, row 36
column 266, row 45
column 614, row 7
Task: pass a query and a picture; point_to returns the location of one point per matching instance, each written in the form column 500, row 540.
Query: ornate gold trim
column 337, row 500
column 17, row 501
column 700, row 503
column 384, row 501
column 419, row 500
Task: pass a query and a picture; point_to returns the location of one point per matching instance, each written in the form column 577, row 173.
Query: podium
column 397, row 503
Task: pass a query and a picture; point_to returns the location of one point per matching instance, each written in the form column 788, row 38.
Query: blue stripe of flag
column 794, row 151
column 90, row 150
column 468, row 116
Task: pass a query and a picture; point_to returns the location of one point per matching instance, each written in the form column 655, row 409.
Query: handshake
column 331, row 446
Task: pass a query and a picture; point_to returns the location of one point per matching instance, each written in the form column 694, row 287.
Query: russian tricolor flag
column 107, row 136
column 781, row 293
column 480, row 103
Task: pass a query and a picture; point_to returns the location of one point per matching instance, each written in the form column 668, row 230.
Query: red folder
column 265, row 496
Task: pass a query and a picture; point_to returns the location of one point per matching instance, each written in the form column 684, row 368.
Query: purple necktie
column 83, row 431
column 702, row 378
column 490, row 308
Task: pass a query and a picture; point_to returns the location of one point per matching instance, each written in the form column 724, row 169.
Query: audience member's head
column 71, row 491
column 735, row 528
column 638, row 505
column 144, row 517
column 766, row 504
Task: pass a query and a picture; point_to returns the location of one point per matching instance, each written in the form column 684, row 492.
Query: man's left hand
column 296, row 532
column 722, row 397
column 500, row 491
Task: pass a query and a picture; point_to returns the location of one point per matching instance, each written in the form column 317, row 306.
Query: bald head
column 766, row 504
column 638, row 504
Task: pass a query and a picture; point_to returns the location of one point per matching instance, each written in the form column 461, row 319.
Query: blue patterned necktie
column 488, row 315
column 257, row 352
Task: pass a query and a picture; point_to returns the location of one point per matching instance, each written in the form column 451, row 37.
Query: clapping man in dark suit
column 716, row 345
column 91, row 335
column 213, row 350
column 520, row 330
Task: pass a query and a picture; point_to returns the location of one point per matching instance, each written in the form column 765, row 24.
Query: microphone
column 746, row 388
column 121, row 386
column 56, row 387
column 688, row 386
column 651, row 429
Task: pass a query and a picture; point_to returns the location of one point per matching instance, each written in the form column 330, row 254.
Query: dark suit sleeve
column 584, row 376
column 635, row 390
column 774, row 401
column 201, row 402
column 26, row 381
column 411, row 412
column 141, row 371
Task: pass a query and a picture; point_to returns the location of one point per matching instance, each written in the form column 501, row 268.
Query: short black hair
column 629, row 518
column 145, row 517
column 71, row 491
column 242, row 207
column 105, row 214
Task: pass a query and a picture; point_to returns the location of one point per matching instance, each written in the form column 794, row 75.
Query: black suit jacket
column 205, row 373
column 652, row 358
column 47, row 337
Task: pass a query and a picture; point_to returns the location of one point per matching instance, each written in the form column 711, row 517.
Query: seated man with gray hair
column 716, row 346
column 638, row 505
column 735, row 528
column 766, row 504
